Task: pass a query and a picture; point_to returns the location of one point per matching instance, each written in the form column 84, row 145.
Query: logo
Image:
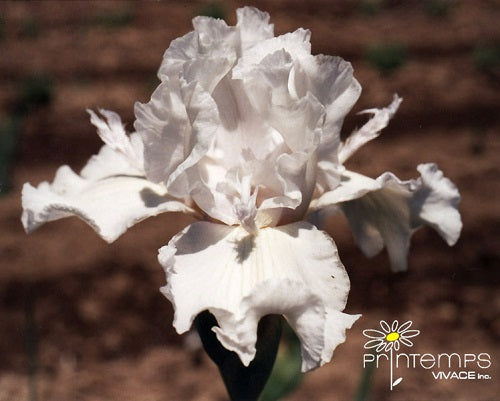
column 390, row 339
column 388, row 344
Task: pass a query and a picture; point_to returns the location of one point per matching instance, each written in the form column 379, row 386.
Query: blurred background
column 83, row 320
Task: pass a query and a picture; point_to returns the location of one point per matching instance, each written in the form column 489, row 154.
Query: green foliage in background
column 387, row 57
column 286, row 375
column 214, row 10
column 8, row 142
column 486, row 57
column 29, row 28
column 439, row 8
column 35, row 91
column 365, row 383
column 371, row 7
column 113, row 19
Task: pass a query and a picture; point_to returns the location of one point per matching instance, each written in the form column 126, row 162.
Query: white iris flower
column 243, row 132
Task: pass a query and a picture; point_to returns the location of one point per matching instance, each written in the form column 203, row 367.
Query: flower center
column 392, row 336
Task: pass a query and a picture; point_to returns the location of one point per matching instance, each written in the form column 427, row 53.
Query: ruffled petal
column 296, row 174
column 178, row 127
column 240, row 277
column 267, row 86
column 351, row 186
column 113, row 134
column 163, row 125
column 330, row 80
column 110, row 206
column 287, row 172
column 391, row 214
column 110, row 194
column 436, row 202
column 204, row 56
column 216, row 53
column 253, row 26
column 295, row 43
column 109, row 162
column 333, row 84
column 214, row 35
column 370, row 130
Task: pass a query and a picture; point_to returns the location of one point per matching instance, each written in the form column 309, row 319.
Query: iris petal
column 370, row 130
column 240, row 277
column 111, row 193
column 110, row 206
column 391, row 214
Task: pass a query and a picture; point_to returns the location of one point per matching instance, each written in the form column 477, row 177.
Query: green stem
column 365, row 383
column 243, row 383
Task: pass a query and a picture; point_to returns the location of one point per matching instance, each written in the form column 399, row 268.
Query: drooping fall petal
column 111, row 193
column 389, row 215
column 241, row 277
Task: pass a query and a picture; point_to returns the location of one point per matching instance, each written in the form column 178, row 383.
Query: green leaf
column 387, row 57
column 286, row 374
column 9, row 132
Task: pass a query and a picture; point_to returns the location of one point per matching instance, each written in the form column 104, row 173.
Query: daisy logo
column 389, row 339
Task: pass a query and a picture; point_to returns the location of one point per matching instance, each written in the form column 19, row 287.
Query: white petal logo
column 389, row 339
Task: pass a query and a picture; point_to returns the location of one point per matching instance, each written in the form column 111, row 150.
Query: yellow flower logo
column 391, row 336
column 389, row 339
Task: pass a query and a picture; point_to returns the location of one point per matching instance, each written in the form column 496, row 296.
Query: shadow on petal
column 195, row 239
column 151, row 198
column 244, row 247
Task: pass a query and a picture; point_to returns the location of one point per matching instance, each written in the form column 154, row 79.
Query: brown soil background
column 103, row 331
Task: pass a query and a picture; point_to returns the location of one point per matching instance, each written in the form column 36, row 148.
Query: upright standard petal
column 389, row 215
column 178, row 127
column 253, row 26
column 164, row 128
column 204, row 55
column 333, row 83
column 241, row 277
